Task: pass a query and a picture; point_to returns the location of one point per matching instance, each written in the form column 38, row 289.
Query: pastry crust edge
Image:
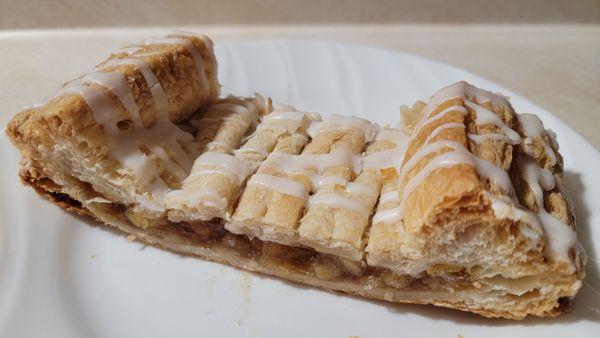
column 53, row 192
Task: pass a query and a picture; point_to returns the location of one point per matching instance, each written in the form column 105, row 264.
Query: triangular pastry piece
column 463, row 208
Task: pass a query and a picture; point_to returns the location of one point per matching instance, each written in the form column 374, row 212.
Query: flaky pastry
column 465, row 208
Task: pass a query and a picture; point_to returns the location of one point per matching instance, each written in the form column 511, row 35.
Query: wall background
column 25, row 14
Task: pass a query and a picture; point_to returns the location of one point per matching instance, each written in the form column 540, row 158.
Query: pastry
column 217, row 175
column 116, row 127
column 465, row 207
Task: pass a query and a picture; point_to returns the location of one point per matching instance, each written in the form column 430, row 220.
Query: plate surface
column 64, row 276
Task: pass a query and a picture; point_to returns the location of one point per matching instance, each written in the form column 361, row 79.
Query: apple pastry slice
column 464, row 208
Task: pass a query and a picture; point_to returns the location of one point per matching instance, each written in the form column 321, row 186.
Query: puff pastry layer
column 463, row 208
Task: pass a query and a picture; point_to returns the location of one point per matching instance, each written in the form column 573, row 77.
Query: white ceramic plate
column 65, row 276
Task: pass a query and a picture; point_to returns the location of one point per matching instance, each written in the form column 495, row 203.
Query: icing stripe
column 338, row 201
column 158, row 94
column 560, row 238
column 280, row 184
column 222, row 163
column 338, row 122
column 194, row 52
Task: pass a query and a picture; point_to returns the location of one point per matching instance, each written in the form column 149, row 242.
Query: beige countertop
column 557, row 66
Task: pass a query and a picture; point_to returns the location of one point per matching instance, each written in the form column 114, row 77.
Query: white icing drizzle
column 177, row 39
column 319, row 162
column 105, row 113
column 207, row 196
column 390, row 196
column 127, row 153
column 118, row 85
column 289, row 120
column 356, row 188
column 215, row 145
column 426, row 150
column 339, row 122
column 319, row 181
column 485, row 116
column 441, row 128
column 158, row 94
column 262, row 151
column 211, row 197
column 531, row 125
column 163, row 141
column 280, row 184
column 206, row 164
column 444, row 160
column 244, row 115
column 392, row 215
column 506, row 207
column 391, row 158
column 297, row 189
column 532, row 128
column 338, row 201
column 194, row 52
column 427, row 119
column 315, row 164
column 560, row 238
column 459, row 154
column 465, row 91
column 171, row 166
column 479, row 139
column 225, row 164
